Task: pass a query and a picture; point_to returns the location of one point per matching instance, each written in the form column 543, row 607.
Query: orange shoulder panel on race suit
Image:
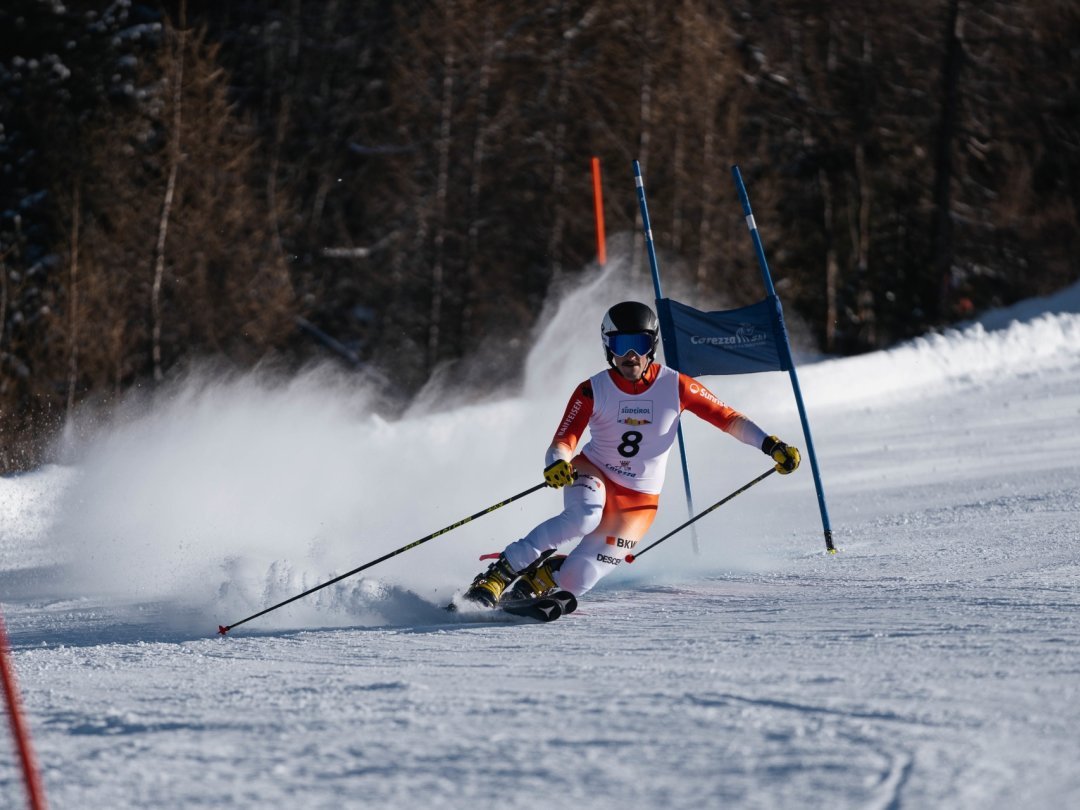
column 575, row 419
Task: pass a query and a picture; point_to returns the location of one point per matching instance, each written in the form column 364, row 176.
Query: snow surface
column 933, row 662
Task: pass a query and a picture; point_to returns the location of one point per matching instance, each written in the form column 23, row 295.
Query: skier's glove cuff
column 787, row 458
column 559, row 474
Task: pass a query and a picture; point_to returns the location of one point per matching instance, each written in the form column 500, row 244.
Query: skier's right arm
column 557, row 470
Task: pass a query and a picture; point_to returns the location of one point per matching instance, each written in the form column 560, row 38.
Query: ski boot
column 538, row 579
column 489, row 585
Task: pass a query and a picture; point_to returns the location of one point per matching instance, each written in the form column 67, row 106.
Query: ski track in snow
column 933, row 662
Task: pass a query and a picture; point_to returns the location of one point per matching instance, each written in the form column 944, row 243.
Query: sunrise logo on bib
column 635, row 412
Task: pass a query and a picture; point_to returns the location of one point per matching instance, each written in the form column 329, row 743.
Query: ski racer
column 612, row 485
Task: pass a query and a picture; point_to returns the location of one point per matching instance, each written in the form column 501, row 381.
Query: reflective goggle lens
column 640, row 343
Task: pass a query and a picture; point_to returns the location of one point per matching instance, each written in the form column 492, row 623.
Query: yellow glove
column 787, row 458
column 559, row 474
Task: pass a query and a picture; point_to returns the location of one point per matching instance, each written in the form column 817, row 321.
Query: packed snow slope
column 933, row 662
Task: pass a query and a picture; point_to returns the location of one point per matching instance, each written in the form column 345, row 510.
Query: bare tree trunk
column 865, row 195
column 326, row 181
column 294, row 40
column 558, row 144
column 865, row 297
column 679, row 158
column 318, row 203
column 73, row 305
column 166, row 207
column 442, row 188
column 706, row 239
column 950, row 102
column 832, row 263
column 281, row 121
column 645, row 133
column 558, row 174
column 3, row 300
column 271, row 178
column 116, row 341
column 706, row 191
column 865, row 300
column 828, row 204
column 479, row 153
column 330, row 21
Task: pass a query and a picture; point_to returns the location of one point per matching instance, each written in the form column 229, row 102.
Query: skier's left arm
column 700, row 401
column 558, row 471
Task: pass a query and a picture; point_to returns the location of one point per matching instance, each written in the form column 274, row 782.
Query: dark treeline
column 393, row 184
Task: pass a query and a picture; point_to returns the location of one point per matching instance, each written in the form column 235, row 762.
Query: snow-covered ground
column 933, row 662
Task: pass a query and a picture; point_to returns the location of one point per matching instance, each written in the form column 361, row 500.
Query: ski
column 546, row 608
column 543, row 608
column 534, row 593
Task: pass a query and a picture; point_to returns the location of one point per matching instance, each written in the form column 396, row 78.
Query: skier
column 613, row 484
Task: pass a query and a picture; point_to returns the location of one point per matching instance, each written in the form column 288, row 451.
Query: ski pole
column 631, row 557
column 650, row 246
column 225, row 628
column 35, row 793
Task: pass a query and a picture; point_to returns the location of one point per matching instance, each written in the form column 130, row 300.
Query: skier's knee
column 579, row 573
column 584, row 507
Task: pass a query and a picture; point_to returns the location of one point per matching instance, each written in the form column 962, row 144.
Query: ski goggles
column 620, row 343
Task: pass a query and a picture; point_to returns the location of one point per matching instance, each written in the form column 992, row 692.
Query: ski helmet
column 623, row 328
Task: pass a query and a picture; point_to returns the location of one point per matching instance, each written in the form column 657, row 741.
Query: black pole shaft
column 631, row 557
column 225, row 628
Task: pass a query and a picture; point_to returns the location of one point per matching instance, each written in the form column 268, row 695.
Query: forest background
column 398, row 185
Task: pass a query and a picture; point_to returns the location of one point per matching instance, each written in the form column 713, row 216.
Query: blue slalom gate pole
column 771, row 290
column 654, row 266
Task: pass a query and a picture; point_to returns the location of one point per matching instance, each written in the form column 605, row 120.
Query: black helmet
column 629, row 318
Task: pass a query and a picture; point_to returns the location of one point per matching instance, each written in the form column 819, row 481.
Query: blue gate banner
column 734, row 341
